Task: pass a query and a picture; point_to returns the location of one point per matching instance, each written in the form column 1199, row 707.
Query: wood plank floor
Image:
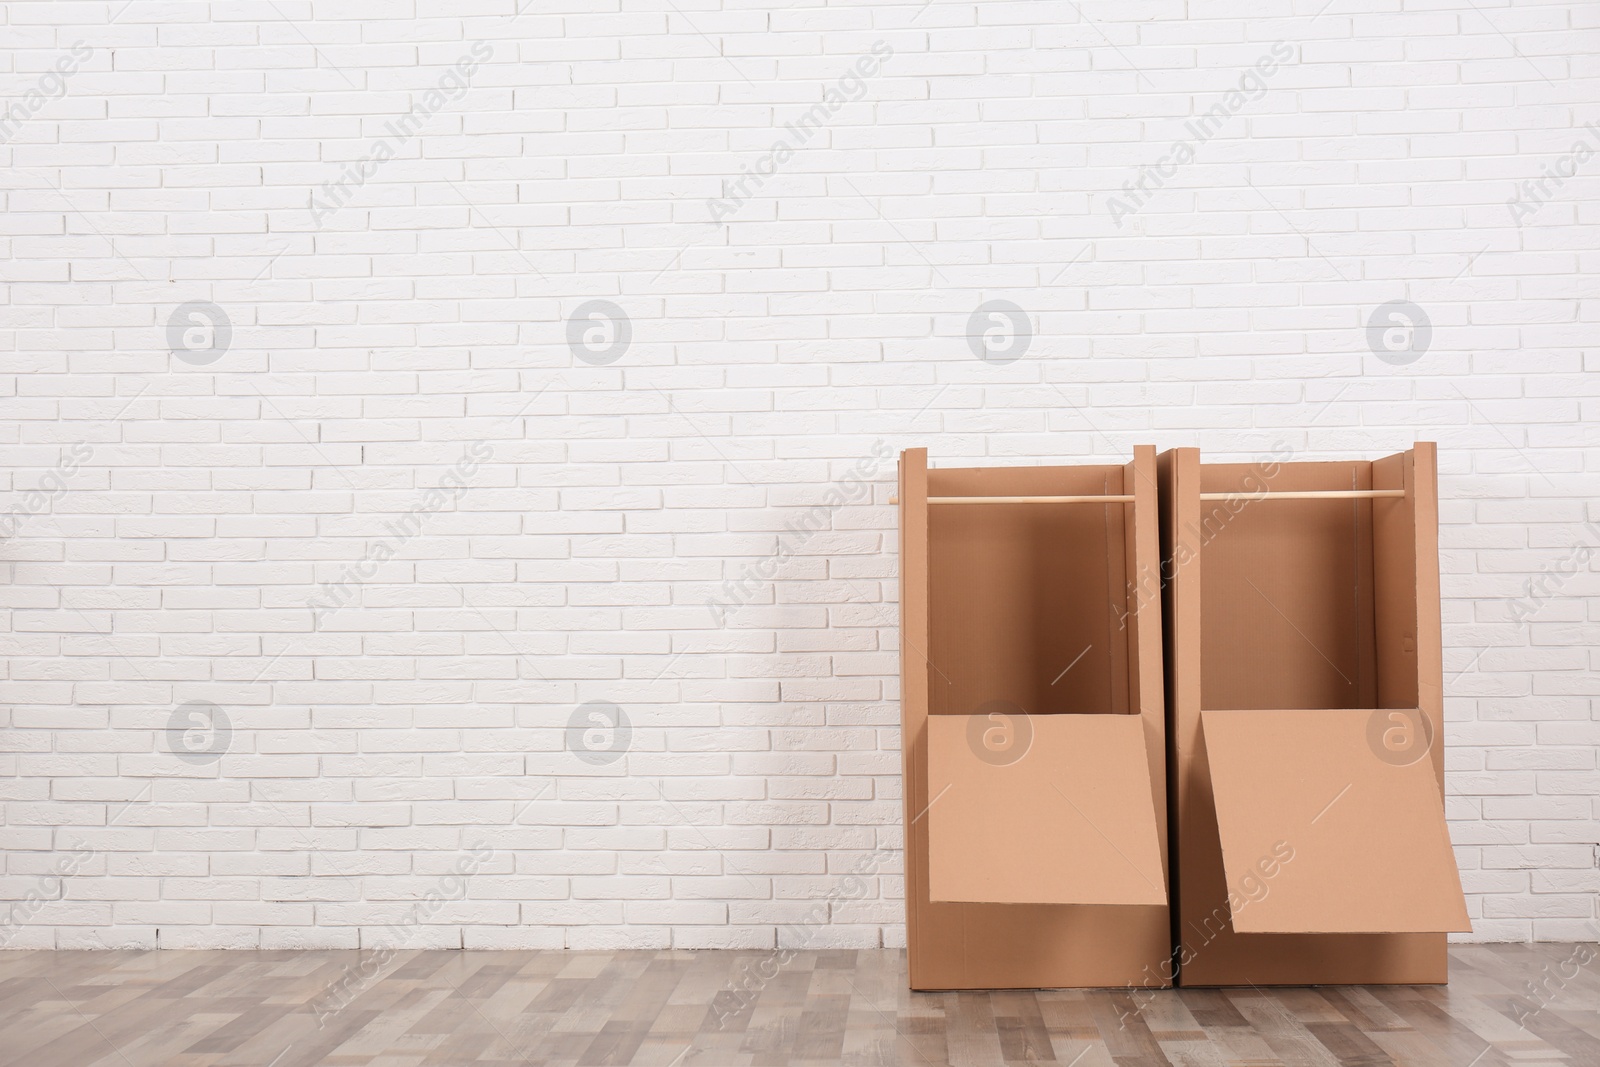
column 1523, row 1005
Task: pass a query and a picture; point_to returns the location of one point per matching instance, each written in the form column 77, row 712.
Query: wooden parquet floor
column 1506, row 1006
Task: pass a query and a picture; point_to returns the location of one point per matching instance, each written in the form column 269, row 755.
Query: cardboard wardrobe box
column 1305, row 709
column 1033, row 728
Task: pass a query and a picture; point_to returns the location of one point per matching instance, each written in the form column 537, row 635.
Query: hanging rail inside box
column 1306, row 494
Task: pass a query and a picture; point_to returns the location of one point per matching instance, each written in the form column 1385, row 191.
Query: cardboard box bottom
column 1316, row 959
column 1027, row 946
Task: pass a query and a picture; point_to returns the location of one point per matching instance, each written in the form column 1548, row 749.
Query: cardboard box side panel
column 1203, row 909
column 914, row 696
column 1118, row 520
column 1128, row 622
column 1286, row 598
column 1178, row 482
column 1147, row 670
column 1424, row 490
column 1181, row 569
column 1394, row 540
column 1365, row 599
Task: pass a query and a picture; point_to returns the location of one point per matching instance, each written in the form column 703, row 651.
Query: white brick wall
column 247, row 520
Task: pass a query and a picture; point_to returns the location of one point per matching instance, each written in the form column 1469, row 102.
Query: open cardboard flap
column 1070, row 821
column 1370, row 850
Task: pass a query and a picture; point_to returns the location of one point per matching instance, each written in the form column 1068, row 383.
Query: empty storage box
column 1305, row 708
column 1033, row 727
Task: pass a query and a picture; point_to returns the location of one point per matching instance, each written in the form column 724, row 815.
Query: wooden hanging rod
column 1310, row 494
column 1304, row 494
column 1092, row 499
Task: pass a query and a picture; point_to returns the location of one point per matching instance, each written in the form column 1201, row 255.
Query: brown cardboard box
column 1033, row 727
column 1305, row 703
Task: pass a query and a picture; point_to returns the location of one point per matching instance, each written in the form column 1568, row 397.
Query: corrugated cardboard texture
column 1366, row 842
column 997, row 604
column 1069, row 820
column 1285, row 604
